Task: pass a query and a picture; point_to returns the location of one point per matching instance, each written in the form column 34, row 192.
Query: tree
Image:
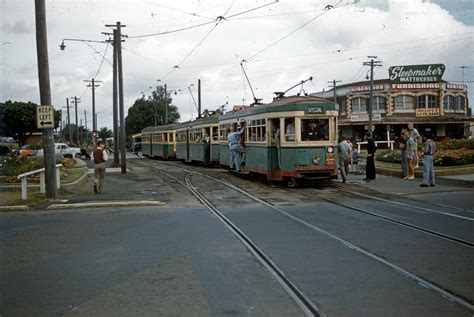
column 104, row 133
column 150, row 111
column 20, row 119
column 84, row 134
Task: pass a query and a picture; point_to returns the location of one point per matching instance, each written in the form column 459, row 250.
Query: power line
column 178, row 10
column 102, row 61
column 218, row 19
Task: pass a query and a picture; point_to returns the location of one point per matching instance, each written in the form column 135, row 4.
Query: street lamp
column 63, row 46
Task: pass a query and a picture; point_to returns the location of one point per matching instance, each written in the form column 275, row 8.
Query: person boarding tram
column 235, row 148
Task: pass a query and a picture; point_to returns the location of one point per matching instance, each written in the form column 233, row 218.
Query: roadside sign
column 45, row 117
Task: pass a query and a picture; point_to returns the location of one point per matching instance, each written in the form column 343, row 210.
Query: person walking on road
column 100, row 156
column 370, row 165
column 345, row 150
column 428, row 168
column 236, row 150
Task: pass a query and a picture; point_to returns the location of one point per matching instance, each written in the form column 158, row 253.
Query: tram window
column 171, row 137
column 256, row 131
column 315, row 130
column 165, row 137
column 223, row 130
column 290, row 129
column 262, row 134
column 215, row 136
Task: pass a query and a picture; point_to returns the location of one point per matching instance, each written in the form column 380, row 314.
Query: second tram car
column 197, row 141
column 159, row 141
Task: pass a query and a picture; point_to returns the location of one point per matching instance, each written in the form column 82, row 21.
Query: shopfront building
column 438, row 107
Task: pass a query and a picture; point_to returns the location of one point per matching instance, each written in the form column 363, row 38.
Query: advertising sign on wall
column 416, row 73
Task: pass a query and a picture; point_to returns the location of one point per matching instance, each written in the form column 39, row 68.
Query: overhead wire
column 216, row 23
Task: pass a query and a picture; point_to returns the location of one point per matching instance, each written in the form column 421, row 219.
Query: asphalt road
column 180, row 260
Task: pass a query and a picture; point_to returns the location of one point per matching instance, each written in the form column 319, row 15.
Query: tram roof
column 198, row 122
column 160, row 128
column 290, row 103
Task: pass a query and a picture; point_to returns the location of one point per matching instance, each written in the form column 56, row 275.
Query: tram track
column 308, row 307
column 434, row 233
column 418, row 279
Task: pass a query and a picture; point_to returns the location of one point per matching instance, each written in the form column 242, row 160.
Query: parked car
column 137, row 149
column 62, row 149
column 28, row 150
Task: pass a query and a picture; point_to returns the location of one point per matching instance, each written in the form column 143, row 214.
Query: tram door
column 151, row 144
column 187, row 145
column 274, row 146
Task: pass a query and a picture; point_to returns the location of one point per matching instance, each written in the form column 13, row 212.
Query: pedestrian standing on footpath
column 235, row 148
column 370, row 165
column 345, row 150
column 100, row 156
column 403, row 153
column 415, row 135
column 428, row 168
column 410, row 154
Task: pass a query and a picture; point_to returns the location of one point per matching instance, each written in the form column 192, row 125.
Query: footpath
column 135, row 188
column 138, row 187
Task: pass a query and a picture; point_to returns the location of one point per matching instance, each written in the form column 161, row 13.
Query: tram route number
column 314, row 109
column 45, row 117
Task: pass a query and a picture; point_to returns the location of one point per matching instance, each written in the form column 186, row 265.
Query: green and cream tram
column 290, row 139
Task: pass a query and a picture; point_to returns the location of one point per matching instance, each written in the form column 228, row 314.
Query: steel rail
column 419, row 280
column 407, row 205
column 302, row 300
column 404, row 224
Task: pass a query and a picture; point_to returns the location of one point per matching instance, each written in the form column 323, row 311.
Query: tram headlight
column 316, row 160
column 330, row 149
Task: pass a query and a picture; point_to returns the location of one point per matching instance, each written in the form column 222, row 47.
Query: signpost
column 45, row 117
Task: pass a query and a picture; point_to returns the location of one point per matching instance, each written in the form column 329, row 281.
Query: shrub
column 14, row 165
column 456, row 157
column 455, row 144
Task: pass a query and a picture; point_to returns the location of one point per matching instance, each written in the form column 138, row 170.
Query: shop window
column 359, row 104
column 427, row 101
column 449, row 102
column 460, row 103
column 378, row 104
column 315, row 130
column 404, row 102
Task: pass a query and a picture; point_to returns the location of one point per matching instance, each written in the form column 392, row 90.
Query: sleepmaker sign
column 431, row 73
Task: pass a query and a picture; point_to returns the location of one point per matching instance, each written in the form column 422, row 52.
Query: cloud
column 18, row 27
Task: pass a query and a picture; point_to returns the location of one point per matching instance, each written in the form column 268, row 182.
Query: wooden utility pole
column 94, row 122
column 69, row 121
column 119, row 72
column 199, row 98
column 115, row 101
column 45, row 98
column 166, row 105
column 76, row 101
column 372, row 63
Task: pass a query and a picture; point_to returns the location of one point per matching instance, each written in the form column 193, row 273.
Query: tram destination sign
column 431, row 73
column 314, row 110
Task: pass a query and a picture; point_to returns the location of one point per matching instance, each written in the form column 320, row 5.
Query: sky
column 279, row 44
